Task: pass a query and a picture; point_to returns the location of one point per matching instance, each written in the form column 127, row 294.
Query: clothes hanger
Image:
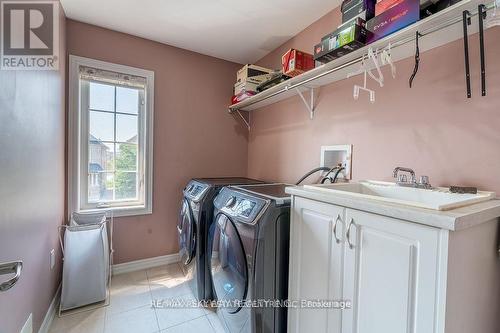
column 417, row 59
column 361, row 70
column 386, row 59
column 494, row 18
column 373, row 57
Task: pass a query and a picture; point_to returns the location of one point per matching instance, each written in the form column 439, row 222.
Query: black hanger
column 466, row 21
column 417, row 59
column 481, row 10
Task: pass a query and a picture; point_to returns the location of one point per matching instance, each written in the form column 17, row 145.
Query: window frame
column 78, row 142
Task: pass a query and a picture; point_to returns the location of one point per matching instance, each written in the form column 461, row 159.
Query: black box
column 341, row 42
column 351, row 9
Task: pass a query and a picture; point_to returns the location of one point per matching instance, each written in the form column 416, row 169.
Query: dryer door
column 187, row 237
column 228, row 265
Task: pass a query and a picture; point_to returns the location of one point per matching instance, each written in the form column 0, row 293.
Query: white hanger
column 380, row 78
column 493, row 18
column 362, row 69
column 386, row 59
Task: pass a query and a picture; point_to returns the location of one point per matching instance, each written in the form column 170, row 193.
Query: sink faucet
column 402, row 179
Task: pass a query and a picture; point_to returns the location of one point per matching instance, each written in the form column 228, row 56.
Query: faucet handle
column 402, row 178
column 424, row 180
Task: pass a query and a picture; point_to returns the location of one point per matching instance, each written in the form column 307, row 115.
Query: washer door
column 187, row 236
column 228, row 265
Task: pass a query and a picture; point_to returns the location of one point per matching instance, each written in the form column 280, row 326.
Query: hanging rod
column 394, row 45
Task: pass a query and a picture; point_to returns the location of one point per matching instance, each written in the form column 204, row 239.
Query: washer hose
column 313, row 171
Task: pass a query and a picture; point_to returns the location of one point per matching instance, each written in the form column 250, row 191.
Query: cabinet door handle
column 348, row 234
column 14, row 267
column 337, row 220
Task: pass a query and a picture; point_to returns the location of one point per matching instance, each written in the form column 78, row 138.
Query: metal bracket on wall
column 245, row 120
column 309, row 105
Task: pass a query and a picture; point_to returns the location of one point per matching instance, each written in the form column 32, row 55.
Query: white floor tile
column 128, row 297
column 215, row 322
column 165, row 272
column 164, row 289
column 170, row 316
column 142, row 320
column 199, row 325
column 84, row 322
column 132, row 278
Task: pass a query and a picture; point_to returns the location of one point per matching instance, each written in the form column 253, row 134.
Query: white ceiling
column 242, row 31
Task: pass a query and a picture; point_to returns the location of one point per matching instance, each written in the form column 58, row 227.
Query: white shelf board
column 438, row 29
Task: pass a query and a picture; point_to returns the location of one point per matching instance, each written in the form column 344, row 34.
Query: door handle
column 338, row 240
column 348, row 234
column 14, row 267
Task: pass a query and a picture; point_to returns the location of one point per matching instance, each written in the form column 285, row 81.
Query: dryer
column 193, row 225
column 249, row 247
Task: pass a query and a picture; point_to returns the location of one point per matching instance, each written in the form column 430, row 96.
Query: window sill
column 122, row 211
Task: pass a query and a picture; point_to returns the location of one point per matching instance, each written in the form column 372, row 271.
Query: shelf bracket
column 309, row 105
column 247, row 122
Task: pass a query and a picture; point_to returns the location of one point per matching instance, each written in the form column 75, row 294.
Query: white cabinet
column 389, row 274
column 387, row 268
column 315, row 264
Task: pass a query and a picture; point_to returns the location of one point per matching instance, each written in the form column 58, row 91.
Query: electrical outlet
column 338, row 155
column 52, row 258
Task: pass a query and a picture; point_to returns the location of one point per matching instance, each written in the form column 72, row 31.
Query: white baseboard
column 138, row 265
column 51, row 312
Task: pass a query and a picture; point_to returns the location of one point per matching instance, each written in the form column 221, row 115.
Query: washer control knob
column 231, row 202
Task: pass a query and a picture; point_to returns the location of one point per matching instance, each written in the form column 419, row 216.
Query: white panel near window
column 110, row 136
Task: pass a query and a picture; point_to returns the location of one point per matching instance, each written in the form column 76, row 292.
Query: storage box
column 383, row 5
column 393, row 19
column 352, row 9
column 250, row 71
column 295, row 62
column 245, row 86
column 339, row 43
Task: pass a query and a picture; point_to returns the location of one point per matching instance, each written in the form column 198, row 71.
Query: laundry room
column 263, row 167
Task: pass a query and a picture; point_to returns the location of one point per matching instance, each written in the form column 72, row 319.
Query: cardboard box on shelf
column 295, row 62
column 393, row 19
column 251, row 71
column 351, row 37
column 383, row 5
column 352, row 9
column 245, row 86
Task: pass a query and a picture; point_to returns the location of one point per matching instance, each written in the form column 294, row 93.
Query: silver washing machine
column 249, row 244
column 195, row 218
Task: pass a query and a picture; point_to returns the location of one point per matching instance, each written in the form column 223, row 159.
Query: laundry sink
column 439, row 198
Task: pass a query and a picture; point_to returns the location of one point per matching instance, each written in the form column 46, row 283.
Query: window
column 110, row 137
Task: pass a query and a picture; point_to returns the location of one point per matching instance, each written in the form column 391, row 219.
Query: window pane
column 126, row 157
column 126, row 128
column 101, row 185
column 101, row 156
column 126, row 185
column 102, row 97
column 101, row 126
column 127, row 100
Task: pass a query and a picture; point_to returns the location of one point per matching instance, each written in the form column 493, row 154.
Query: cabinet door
column 391, row 269
column 315, row 264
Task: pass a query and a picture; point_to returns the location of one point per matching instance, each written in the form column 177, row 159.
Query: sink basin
column 439, row 198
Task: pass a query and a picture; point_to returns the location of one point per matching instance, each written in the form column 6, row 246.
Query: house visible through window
column 114, row 152
column 113, row 145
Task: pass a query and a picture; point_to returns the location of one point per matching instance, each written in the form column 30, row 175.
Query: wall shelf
column 436, row 30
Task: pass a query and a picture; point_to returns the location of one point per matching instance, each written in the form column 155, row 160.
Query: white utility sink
column 439, row 198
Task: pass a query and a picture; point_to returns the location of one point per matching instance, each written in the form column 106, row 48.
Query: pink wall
column 193, row 136
column 32, row 124
column 432, row 127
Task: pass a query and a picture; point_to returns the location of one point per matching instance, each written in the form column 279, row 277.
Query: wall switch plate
column 338, row 154
column 28, row 325
column 52, row 258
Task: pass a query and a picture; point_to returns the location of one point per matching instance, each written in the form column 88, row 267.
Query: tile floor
column 130, row 309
